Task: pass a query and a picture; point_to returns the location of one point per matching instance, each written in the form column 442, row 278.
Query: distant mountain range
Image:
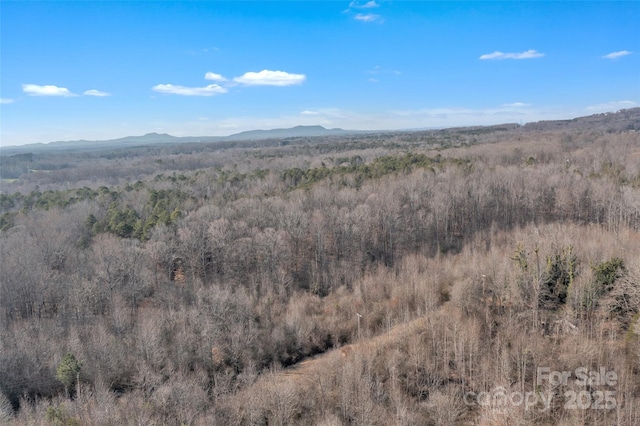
column 627, row 119
column 164, row 138
column 293, row 132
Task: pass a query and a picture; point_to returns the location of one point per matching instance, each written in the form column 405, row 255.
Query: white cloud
column 379, row 70
column 270, row 78
column 94, row 92
column 262, row 78
column 363, row 5
column 368, row 17
column 516, row 104
column 210, row 90
column 214, row 77
column 195, row 52
column 6, row 101
column 529, row 54
column 47, row 90
column 616, row 55
column 612, row 106
column 332, row 113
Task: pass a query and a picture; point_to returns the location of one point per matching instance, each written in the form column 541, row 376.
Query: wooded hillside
column 179, row 284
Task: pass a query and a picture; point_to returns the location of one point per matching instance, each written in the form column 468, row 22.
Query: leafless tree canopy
column 366, row 279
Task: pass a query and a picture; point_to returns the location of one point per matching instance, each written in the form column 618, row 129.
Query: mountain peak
column 155, row 134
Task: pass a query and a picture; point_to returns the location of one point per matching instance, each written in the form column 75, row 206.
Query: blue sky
column 101, row 70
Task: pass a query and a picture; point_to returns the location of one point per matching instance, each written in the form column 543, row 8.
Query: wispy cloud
column 363, row 5
column 333, row 113
column 195, row 52
column 612, row 106
column 529, row 54
column 270, row 78
column 6, row 101
column 47, row 90
column 368, row 17
column 358, row 10
column 616, row 55
column 210, row 90
column 262, row 78
column 94, row 92
column 516, row 105
column 214, row 77
column 379, row 71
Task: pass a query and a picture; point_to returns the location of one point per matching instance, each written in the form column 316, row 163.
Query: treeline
column 179, row 291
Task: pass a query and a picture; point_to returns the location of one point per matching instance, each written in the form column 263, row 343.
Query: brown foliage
column 231, row 314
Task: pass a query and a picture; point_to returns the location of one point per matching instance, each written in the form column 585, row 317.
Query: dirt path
column 310, row 367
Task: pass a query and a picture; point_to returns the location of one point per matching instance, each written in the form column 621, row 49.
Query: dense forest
column 367, row 279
